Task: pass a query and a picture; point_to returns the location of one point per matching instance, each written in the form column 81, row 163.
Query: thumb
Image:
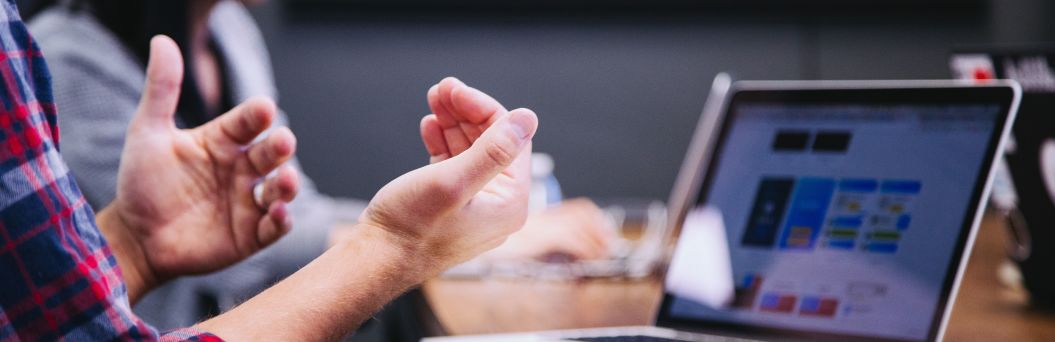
column 162, row 90
column 495, row 150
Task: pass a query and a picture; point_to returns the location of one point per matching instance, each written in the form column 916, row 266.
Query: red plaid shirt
column 58, row 278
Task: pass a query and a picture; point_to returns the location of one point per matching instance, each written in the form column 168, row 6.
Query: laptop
column 849, row 209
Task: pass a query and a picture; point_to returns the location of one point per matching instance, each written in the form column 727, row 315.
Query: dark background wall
column 618, row 92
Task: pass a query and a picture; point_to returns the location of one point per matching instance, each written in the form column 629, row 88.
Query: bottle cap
column 541, row 165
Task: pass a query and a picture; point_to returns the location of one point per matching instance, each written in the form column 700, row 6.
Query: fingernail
column 522, row 124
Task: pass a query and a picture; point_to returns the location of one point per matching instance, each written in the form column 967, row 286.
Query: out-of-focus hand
column 185, row 201
column 576, row 229
column 473, row 195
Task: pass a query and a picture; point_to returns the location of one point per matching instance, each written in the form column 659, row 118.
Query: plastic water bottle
column 545, row 190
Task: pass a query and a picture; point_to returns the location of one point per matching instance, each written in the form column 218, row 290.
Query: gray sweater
column 97, row 83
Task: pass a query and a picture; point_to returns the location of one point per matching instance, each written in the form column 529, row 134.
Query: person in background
column 97, row 50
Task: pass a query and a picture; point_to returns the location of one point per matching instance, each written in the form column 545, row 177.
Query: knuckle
column 247, row 121
column 164, row 84
column 501, row 154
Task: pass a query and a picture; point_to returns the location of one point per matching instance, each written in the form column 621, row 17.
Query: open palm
column 186, row 196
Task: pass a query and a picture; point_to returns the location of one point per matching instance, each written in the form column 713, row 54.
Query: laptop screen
column 845, row 218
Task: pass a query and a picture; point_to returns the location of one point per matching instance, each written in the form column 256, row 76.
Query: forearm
column 130, row 258
column 329, row 297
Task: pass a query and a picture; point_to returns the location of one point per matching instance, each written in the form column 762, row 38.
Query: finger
column 280, row 188
column 472, row 109
column 162, row 89
column 432, row 136
column 498, row 148
column 438, row 96
column 457, row 141
column 273, row 151
column 472, row 131
column 275, row 224
column 450, row 99
column 594, row 248
column 439, row 102
column 242, row 124
column 472, row 105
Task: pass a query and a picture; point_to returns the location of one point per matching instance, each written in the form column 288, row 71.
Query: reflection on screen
column 843, row 219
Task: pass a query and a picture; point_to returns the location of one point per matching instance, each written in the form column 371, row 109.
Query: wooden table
column 986, row 309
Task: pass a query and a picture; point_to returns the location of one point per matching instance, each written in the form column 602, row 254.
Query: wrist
column 131, row 259
column 410, row 260
column 332, row 295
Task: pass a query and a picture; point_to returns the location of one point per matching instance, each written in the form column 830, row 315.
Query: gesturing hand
column 185, row 200
column 474, row 194
column 467, row 201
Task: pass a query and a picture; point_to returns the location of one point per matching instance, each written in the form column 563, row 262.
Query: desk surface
column 985, row 309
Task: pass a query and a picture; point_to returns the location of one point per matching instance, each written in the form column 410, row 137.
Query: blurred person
column 97, row 50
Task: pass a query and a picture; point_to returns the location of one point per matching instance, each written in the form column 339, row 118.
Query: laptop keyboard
column 626, row 339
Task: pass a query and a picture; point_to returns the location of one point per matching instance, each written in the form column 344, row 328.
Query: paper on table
column 700, row 270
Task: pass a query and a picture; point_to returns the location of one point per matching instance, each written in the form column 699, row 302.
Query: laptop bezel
column 708, row 144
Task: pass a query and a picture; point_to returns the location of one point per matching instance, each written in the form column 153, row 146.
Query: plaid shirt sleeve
column 58, row 278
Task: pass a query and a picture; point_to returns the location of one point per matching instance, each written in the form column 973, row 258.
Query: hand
column 576, row 229
column 185, row 197
column 474, row 194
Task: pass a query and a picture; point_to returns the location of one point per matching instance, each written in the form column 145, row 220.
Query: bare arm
column 185, row 206
column 328, row 298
